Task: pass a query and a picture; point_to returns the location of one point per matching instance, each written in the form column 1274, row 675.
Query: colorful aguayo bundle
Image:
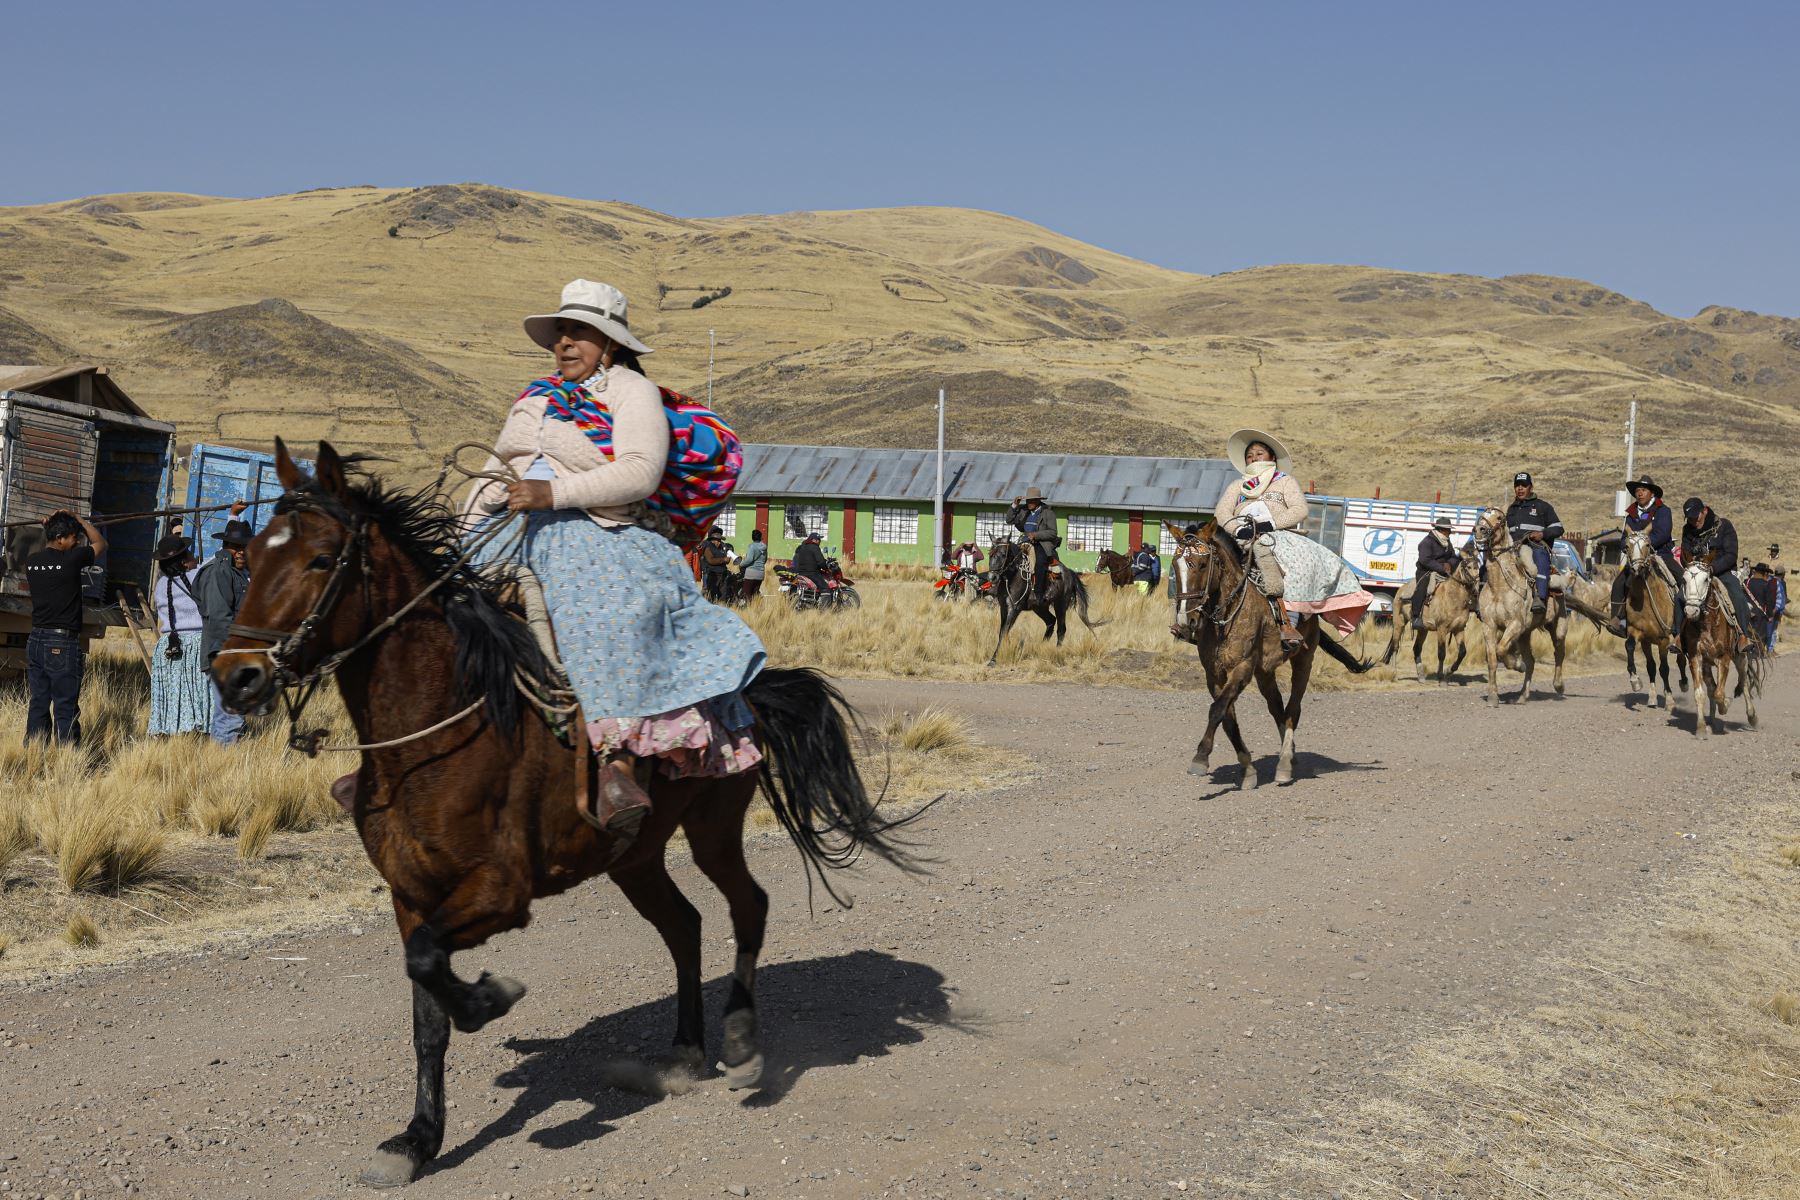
column 705, row 456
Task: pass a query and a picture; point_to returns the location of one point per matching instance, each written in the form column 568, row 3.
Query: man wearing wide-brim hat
column 1648, row 512
column 1032, row 516
column 1437, row 561
column 219, row 589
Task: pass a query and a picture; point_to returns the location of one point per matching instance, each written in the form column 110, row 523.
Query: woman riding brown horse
column 462, row 798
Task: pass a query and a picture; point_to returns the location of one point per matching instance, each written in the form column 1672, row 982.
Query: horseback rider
column 809, row 560
column 1032, row 516
column 1251, row 509
column 1532, row 523
column 1706, row 532
column 1648, row 512
column 1438, row 560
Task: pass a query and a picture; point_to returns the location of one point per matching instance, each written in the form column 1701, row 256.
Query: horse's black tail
column 810, row 778
column 1350, row 662
column 1081, row 601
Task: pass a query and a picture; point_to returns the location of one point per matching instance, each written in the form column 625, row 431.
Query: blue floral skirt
column 180, row 692
column 635, row 635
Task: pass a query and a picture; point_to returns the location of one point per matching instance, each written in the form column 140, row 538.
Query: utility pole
column 1623, row 498
column 937, row 496
column 712, row 339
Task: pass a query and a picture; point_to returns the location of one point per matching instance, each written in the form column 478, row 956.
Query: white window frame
column 726, row 521
column 815, row 517
column 989, row 526
column 1167, row 543
column 1090, row 533
column 891, row 526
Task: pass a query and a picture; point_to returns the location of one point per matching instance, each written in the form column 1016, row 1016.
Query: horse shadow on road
column 820, row 1012
column 1307, row 765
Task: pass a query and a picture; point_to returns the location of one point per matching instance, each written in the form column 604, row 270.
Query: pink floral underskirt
column 1343, row 613
column 685, row 743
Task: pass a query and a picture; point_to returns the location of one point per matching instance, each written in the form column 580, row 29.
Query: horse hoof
column 389, row 1169
column 1248, row 782
column 746, row 1074
column 1199, row 769
column 1284, row 774
column 491, row 997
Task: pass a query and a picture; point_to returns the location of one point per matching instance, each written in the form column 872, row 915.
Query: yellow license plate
column 1383, row 566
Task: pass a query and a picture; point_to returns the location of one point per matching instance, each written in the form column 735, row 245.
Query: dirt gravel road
column 1121, row 980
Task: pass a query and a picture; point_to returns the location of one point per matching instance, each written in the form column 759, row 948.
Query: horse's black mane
column 493, row 643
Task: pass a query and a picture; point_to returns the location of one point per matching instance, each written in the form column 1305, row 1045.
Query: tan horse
column 1649, row 617
column 1707, row 637
column 1239, row 638
column 1446, row 614
column 1505, row 609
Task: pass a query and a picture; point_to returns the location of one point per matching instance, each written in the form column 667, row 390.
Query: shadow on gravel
column 1307, row 765
column 821, row 1012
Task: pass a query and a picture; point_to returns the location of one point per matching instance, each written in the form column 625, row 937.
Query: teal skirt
column 180, row 692
column 635, row 635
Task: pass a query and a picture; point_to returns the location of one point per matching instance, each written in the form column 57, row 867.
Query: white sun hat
column 1239, row 442
column 598, row 304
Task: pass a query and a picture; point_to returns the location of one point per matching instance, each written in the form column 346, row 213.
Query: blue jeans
column 54, row 663
column 227, row 726
column 1540, row 554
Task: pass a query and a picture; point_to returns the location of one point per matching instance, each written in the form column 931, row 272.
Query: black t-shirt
column 54, row 577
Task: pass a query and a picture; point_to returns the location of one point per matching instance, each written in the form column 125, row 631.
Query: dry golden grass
column 1661, row 1062
column 903, row 632
column 1790, row 854
column 81, row 933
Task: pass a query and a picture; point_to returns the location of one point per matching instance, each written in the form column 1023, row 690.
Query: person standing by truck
column 54, row 656
column 180, row 693
column 219, row 589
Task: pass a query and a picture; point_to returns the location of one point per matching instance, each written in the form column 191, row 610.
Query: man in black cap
column 219, row 589
column 809, row 560
column 1647, row 511
column 1706, row 532
column 1534, row 525
column 54, row 656
column 1438, row 559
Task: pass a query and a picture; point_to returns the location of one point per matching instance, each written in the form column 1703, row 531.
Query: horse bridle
column 1193, row 542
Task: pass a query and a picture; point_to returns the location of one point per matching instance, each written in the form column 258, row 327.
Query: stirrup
column 616, row 805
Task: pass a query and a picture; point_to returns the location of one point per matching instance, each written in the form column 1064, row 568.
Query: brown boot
column 1291, row 638
column 620, row 801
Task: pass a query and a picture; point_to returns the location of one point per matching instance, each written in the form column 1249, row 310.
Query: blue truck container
column 222, row 475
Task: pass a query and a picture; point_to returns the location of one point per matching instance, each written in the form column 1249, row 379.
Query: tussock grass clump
column 81, row 932
column 1790, row 854
column 101, row 849
column 932, row 730
column 1784, row 1007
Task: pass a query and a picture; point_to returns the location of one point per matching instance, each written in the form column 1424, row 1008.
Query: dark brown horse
column 1239, row 639
column 475, row 819
column 1117, row 567
column 1010, row 564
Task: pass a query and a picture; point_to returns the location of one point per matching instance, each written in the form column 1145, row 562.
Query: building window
column 897, row 526
column 726, row 521
column 1169, row 543
column 990, row 525
column 814, row 518
column 1090, row 533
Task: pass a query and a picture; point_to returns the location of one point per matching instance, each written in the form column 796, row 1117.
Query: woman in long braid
column 180, row 694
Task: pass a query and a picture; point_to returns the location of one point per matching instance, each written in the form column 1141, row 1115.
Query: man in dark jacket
column 1648, row 512
column 1438, row 560
column 55, row 657
column 1146, row 568
column 1032, row 516
column 1706, row 532
column 219, row 591
column 1761, row 588
column 809, row 561
column 715, row 559
column 1534, row 525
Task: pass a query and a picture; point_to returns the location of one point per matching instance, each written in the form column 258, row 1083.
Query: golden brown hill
column 389, row 319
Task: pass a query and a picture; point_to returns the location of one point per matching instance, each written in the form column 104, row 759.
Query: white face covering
column 1258, row 478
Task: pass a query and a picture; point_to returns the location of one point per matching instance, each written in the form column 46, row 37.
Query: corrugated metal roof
column 985, row 477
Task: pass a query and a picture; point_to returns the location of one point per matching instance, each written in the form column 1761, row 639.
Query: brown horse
column 1505, row 610
column 1650, row 614
column 1446, row 615
column 465, row 798
column 1239, row 639
column 1709, row 639
column 1010, row 564
column 1117, row 567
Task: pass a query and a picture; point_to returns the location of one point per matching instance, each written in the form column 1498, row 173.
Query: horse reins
column 1238, row 594
column 297, row 690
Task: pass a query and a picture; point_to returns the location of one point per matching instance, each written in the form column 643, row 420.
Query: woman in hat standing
column 658, row 670
column 1261, row 511
column 180, row 693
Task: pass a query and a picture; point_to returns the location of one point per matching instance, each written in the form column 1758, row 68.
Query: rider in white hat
column 1267, row 498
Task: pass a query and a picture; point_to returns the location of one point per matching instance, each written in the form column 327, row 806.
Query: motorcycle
column 804, row 594
column 955, row 583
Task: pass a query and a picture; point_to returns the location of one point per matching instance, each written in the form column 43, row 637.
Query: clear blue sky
column 1649, row 147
